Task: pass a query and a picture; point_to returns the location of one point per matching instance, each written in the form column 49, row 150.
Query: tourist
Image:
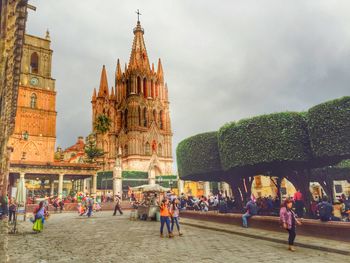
column 203, row 204
column 90, row 204
column 61, row 204
column 174, row 212
column 325, row 210
column 117, row 206
column 338, row 210
column 251, row 210
column 39, row 217
column 299, row 204
column 289, row 222
column 164, row 218
column 55, row 204
column 4, row 205
column 12, row 210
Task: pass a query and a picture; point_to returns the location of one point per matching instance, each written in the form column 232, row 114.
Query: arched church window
column 34, row 63
column 161, row 120
column 145, row 92
column 147, row 149
column 154, row 115
column 157, row 90
column 160, row 150
column 138, row 85
column 33, row 100
column 126, row 119
column 145, row 121
column 152, row 89
column 140, row 116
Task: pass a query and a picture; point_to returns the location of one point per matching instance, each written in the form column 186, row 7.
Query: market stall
column 151, row 197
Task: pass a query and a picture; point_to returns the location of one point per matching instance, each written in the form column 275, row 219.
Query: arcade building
column 33, row 141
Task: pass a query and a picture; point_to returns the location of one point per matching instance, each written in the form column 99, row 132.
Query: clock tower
column 34, row 136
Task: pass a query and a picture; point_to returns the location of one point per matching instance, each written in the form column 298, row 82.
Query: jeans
column 164, row 220
column 176, row 221
column 90, row 211
column 245, row 219
column 299, row 208
column 12, row 215
column 292, row 235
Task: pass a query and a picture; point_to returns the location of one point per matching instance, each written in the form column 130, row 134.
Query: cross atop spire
column 138, row 15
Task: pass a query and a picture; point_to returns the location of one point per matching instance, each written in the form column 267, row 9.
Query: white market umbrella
column 21, row 194
column 150, row 188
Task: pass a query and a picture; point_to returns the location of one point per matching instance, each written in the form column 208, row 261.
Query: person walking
column 39, row 217
column 251, row 210
column 61, row 204
column 12, row 210
column 4, row 202
column 289, row 221
column 117, row 206
column 90, row 204
column 164, row 218
column 299, row 203
column 175, row 212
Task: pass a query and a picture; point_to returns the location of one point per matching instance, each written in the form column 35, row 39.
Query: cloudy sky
column 223, row 60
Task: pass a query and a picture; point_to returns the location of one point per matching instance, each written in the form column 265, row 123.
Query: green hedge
column 198, row 158
column 264, row 142
column 329, row 129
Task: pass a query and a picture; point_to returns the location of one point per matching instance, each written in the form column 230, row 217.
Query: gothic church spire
column 103, row 90
column 138, row 57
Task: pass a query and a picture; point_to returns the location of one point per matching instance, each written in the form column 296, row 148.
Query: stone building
column 32, row 162
column 13, row 15
column 12, row 27
column 138, row 107
column 72, row 154
column 34, row 135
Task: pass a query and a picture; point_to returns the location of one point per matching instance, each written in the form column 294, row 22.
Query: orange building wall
column 38, row 122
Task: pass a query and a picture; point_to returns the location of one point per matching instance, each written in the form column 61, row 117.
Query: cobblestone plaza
column 104, row 238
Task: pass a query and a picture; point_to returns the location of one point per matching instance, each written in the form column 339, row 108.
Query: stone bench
column 311, row 227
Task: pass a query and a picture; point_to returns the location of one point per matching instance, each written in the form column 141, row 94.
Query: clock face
column 34, row 81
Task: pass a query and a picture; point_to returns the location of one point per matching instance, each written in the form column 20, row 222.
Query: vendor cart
column 152, row 194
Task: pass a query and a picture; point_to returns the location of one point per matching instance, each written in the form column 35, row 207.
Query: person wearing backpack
column 325, row 210
column 289, row 221
column 251, row 210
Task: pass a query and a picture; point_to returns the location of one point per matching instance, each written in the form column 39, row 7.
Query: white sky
column 223, row 60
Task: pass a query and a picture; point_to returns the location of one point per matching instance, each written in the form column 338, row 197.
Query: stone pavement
column 273, row 236
column 104, row 238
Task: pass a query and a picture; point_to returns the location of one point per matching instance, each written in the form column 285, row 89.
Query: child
column 174, row 212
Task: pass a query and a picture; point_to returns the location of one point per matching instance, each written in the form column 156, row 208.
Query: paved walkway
column 273, row 236
column 104, row 238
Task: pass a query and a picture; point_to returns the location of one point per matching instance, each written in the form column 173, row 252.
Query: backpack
column 253, row 209
column 323, row 210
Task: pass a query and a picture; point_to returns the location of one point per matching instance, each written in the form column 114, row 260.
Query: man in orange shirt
column 164, row 218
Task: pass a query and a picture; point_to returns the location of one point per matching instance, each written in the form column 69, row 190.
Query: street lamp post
column 171, row 184
column 160, row 179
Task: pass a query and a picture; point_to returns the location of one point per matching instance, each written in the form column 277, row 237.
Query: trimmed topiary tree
column 272, row 144
column 265, row 142
column 329, row 129
column 198, row 158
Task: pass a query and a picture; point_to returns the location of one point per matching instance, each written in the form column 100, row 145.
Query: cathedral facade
column 138, row 108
